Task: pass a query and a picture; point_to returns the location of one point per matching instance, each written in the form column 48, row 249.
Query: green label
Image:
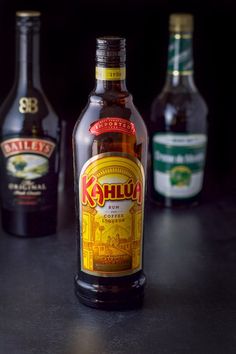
column 180, row 55
column 178, row 163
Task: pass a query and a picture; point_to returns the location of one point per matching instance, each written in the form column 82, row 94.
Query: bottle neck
column 110, row 79
column 180, row 62
column 27, row 59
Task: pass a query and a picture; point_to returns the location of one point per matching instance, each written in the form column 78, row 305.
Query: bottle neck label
column 180, row 61
column 112, row 125
column 110, row 74
column 111, row 187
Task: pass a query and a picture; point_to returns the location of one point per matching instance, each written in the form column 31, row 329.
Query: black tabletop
column 190, row 298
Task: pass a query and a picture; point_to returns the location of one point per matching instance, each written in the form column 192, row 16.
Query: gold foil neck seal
column 28, row 13
column 181, row 23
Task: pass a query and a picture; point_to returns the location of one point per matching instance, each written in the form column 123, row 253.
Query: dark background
column 190, row 255
column 69, row 29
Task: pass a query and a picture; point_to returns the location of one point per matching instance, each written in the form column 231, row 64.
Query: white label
column 178, row 161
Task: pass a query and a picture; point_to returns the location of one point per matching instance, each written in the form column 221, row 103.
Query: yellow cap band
column 110, row 74
column 181, row 23
column 28, row 13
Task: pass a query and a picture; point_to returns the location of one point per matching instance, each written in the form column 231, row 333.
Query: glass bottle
column 178, row 126
column 29, row 137
column 110, row 153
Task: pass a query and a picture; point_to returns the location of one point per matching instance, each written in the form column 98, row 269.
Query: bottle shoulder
column 179, row 98
column 88, row 143
column 180, row 111
column 108, row 106
column 113, row 95
column 24, row 110
column 25, row 92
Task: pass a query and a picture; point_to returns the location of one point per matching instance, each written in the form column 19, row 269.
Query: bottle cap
column 28, row 20
column 110, row 50
column 28, row 13
column 181, row 23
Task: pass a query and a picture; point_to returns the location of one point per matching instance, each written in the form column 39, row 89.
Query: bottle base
column 111, row 297
column 175, row 203
column 29, row 224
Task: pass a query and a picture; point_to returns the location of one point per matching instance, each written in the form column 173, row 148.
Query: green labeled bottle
column 178, row 126
column 29, row 142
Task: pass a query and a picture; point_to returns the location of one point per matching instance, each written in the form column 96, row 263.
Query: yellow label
column 111, row 215
column 110, row 74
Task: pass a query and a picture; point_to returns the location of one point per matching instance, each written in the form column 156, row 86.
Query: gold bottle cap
column 181, row 23
column 28, row 13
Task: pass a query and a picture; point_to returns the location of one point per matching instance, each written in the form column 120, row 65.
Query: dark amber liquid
column 95, row 291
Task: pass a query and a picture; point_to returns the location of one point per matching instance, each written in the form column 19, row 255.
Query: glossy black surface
column 26, row 113
column 189, row 305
